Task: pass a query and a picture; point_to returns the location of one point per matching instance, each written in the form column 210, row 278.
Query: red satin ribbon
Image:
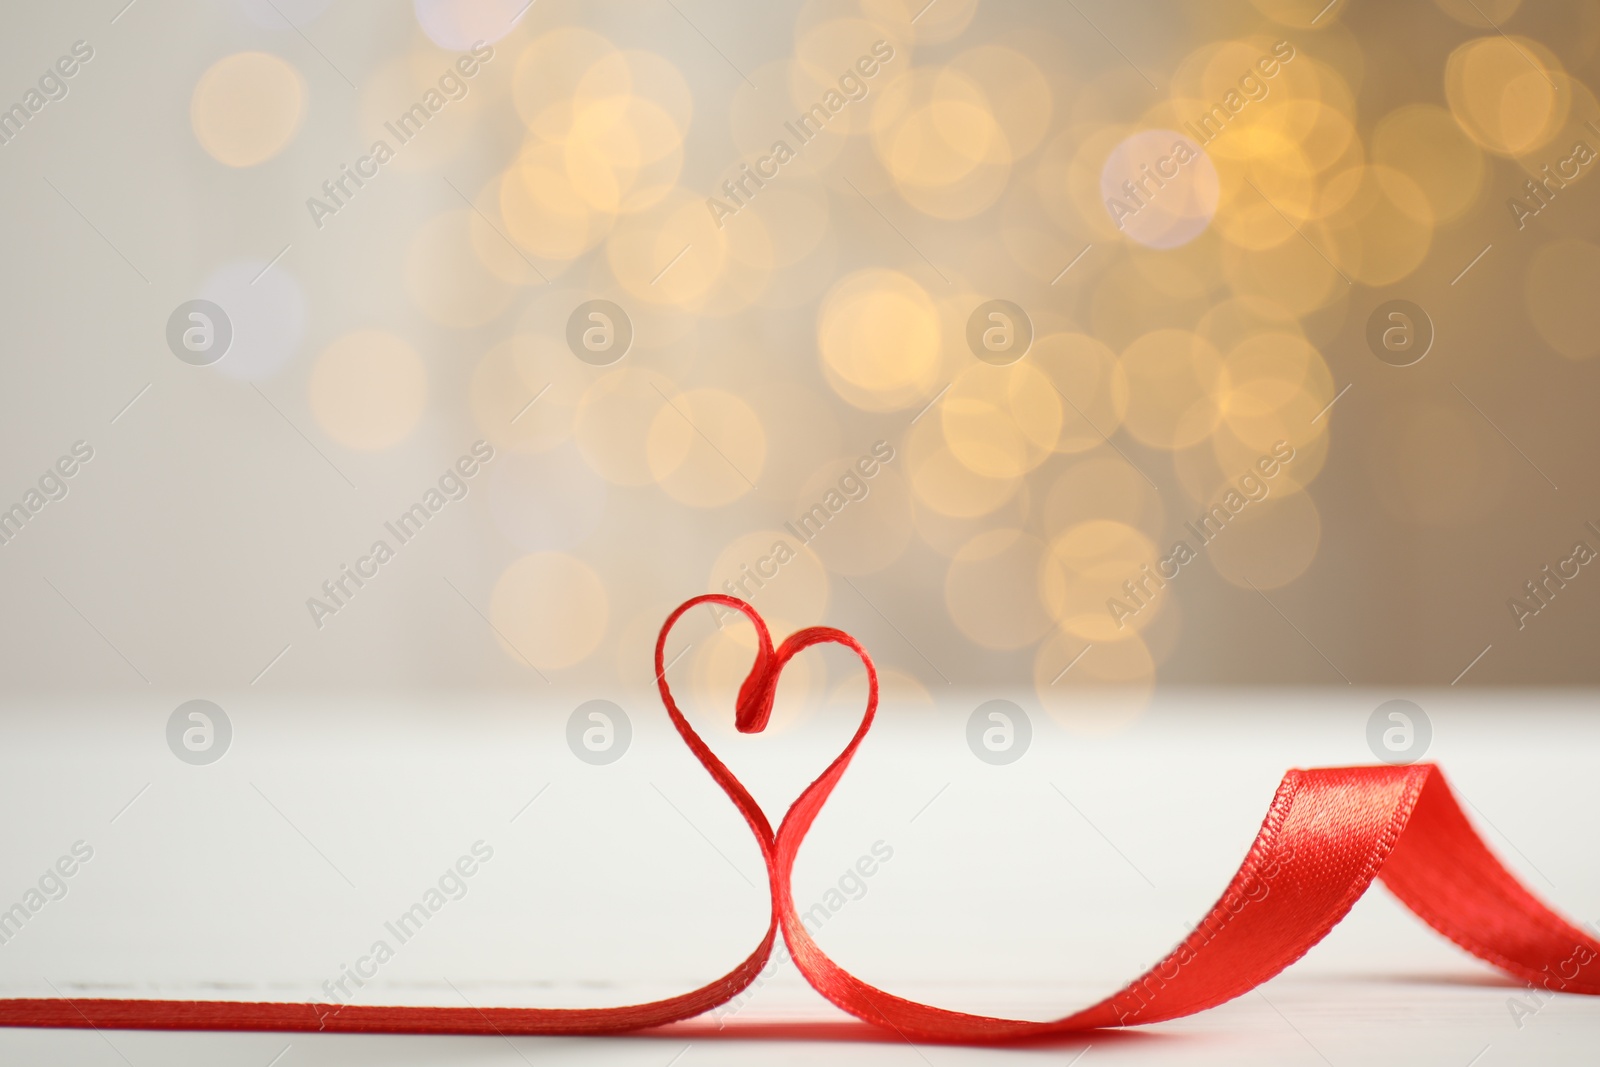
column 1328, row 833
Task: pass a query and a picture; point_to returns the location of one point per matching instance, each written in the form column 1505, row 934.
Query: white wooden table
column 1031, row 888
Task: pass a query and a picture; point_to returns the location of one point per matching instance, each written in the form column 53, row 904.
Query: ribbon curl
column 1327, row 834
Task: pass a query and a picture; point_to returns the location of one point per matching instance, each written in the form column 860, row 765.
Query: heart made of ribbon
column 1327, row 834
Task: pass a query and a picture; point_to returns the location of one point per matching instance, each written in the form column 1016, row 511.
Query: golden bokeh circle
column 1266, row 373
column 1425, row 143
column 541, row 210
column 1510, row 94
column 672, row 253
column 706, row 447
column 247, row 107
column 1091, row 383
column 930, row 26
column 879, row 338
column 613, row 422
column 549, row 609
column 368, row 390
column 944, row 484
column 551, row 69
column 1383, row 227
column 991, row 589
column 1560, row 288
column 1103, row 487
column 1176, row 384
column 1001, row 422
column 1017, row 92
column 446, row 278
column 1088, row 569
column 1228, row 322
column 939, row 141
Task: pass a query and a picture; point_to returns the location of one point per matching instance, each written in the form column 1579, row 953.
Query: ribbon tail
column 1442, row 870
column 1327, row 835
column 128, row 1014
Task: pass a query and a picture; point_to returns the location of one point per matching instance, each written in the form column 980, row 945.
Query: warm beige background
column 770, row 357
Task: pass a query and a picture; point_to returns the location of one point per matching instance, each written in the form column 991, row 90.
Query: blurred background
column 1174, row 388
column 943, row 323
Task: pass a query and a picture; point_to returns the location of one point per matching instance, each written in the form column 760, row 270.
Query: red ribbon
column 1328, row 833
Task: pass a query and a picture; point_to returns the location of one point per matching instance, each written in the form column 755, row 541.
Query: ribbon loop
column 1327, row 834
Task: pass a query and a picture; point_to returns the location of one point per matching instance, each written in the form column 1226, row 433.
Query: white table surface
column 1030, row 889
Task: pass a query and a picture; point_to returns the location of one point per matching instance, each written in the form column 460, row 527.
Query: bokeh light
column 1561, row 285
column 549, row 610
column 878, row 334
column 1510, row 94
column 368, row 390
column 1196, row 229
column 1160, row 188
column 1091, row 563
column 990, row 589
column 460, row 24
column 447, row 280
column 706, row 447
column 247, row 107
